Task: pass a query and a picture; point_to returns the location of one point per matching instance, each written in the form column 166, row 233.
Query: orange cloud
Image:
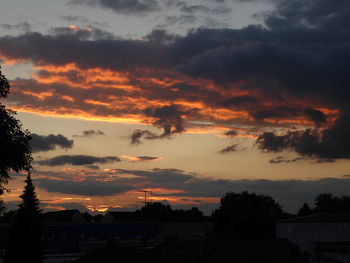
column 52, row 207
column 41, row 96
column 105, row 95
column 141, row 158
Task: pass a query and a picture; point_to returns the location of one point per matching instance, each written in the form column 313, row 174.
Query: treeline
column 328, row 203
column 251, row 215
column 161, row 212
column 156, row 211
column 150, row 212
column 240, row 214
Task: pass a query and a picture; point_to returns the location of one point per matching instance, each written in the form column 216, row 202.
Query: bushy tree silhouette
column 24, row 244
column 163, row 212
column 192, row 215
column 154, row 212
column 326, row 202
column 247, row 215
column 15, row 152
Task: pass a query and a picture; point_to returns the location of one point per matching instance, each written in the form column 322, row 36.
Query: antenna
column 146, row 192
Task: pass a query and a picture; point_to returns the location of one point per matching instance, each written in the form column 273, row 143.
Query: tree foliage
column 24, row 244
column 15, row 151
column 4, row 86
column 163, row 212
column 305, row 210
column 154, row 212
column 29, row 208
column 326, row 202
column 247, row 215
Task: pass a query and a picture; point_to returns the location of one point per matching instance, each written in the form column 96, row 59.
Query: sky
column 186, row 99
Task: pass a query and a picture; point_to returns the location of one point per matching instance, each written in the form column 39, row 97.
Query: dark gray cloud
column 89, row 33
column 179, row 19
column 319, row 14
column 211, row 22
column 72, row 18
column 331, row 143
column 231, row 133
column 188, row 8
column 88, row 188
column 78, row 160
column 278, row 112
column 228, row 149
column 75, row 45
column 290, row 193
column 22, row 26
column 172, row 3
column 297, row 58
column 221, row 10
column 48, row 206
column 285, row 112
column 281, row 159
column 83, row 20
column 302, row 53
column 92, row 167
column 90, row 133
column 318, row 117
column 135, row 7
column 290, row 55
column 168, row 118
column 42, row 143
column 237, row 101
column 162, row 177
column 137, row 135
column 92, row 183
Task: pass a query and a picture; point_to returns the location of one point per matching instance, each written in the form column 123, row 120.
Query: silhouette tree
column 194, row 213
column 305, row 210
column 325, row 202
column 2, row 208
column 8, row 217
column 15, row 152
column 154, row 212
column 328, row 203
column 24, row 244
column 247, row 215
column 98, row 218
column 88, row 217
column 162, row 212
column 345, row 203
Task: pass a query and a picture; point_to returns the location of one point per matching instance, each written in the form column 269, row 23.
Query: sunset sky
column 187, row 99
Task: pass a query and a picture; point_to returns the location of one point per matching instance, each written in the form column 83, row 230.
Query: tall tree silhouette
column 304, row 210
column 15, row 151
column 247, row 215
column 24, row 244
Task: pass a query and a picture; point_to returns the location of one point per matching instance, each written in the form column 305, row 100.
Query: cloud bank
column 78, row 160
column 175, row 185
column 289, row 73
column 42, row 143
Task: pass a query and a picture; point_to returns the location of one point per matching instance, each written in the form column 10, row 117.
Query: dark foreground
column 172, row 250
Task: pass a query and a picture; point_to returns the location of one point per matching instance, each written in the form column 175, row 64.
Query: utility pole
column 146, row 192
